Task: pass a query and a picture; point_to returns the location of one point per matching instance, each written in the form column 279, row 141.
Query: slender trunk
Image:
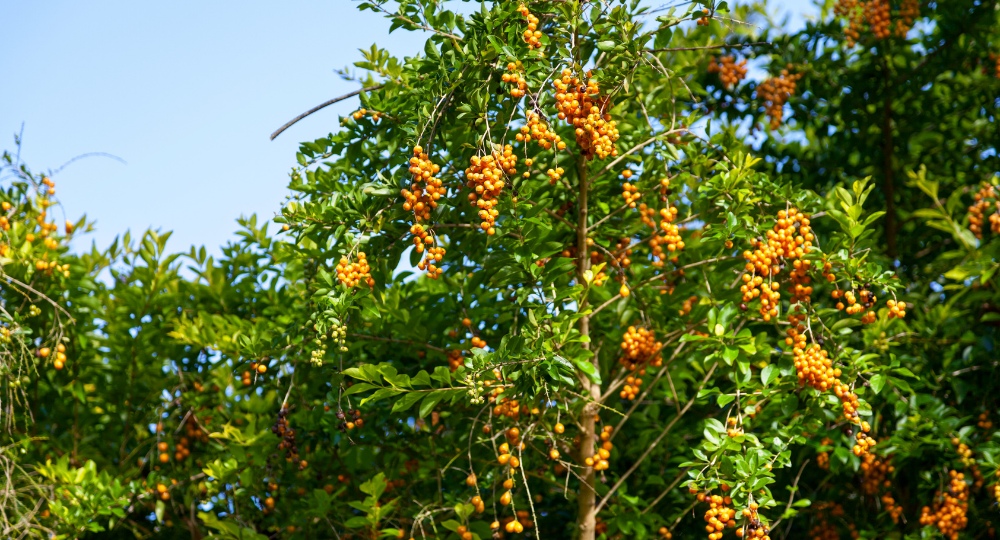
column 586, row 499
column 888, row 187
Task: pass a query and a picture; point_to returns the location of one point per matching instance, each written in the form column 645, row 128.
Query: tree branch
column 322, row 105
column 731, row 46
column 655, row 442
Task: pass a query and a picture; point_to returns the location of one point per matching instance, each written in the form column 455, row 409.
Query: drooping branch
column 322, row 105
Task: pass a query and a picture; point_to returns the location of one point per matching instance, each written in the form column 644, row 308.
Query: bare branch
column 322, row 105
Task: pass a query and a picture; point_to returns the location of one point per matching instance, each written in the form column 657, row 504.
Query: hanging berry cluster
column 361, row 113
column 790, row 238
column 596, row 132
column 774, row 92
column 950, row 507
column 531, row 35
column 719, row 514
column 485, row 176
column 537, row 130
column 287, row 434
column 668, row 233
column 599, row 461
column 630, row 192
column 353, row 273
column 639, row 349
column 877, row 16
column 814, row 368
column 426, row 188
column 349, row 420
column 516, row 79
column 752, row 527
column 730, row 72
column 986, row 202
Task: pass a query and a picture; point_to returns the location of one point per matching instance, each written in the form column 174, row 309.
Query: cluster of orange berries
column 353, row 273
column 822, row 530
column 719, row 514
column 520, row 86
column 703, row 20
column 950, row 507
column 623, row 252
column 814, row 368
column 485, row 176
column 361, row 113
column 909, row 10
column 516, row 523
column 505, row 457
column 535, row 129
column 996, row 64
column 730, row 73
column 254, row 368
column 984, row 421
column 510, row 408
column 455, row 360
column 823, row 458
column 868, row 299
column 599, row 461
column 639, row 349
column 50, row 185
column 596, row 132
column 986, row 200
column 790, row 238
column 864, row 443
column 426, row 188
column 532, row 34
column 349, row 420
column 630, row 192
column 687, row 306
column 774, row 92
column 874, row 473
column 45, row 352
column 964, row 452
column 731, row 429
column 162, row 491
column 889, row 505
column 753, row 527
column 668, row 236
column 665, row 533
column 876, row 14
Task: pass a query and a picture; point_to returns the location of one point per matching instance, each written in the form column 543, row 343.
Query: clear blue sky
column 187, row 94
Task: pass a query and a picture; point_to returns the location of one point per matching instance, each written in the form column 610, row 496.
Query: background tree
column 905, row 92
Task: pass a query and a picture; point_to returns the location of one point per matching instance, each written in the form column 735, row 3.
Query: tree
column 905, row 92
column 523, row 291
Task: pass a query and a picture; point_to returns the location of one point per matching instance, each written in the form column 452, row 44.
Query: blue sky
column 186, row 93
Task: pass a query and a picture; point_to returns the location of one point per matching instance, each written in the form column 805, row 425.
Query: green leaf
column 877, row 382
column 406, row 401
column 430, row 401
column 357, row 388
column 768, row 374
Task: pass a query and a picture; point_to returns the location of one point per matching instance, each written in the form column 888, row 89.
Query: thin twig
column 729, row 46
column 322, row 105
column 652, row 445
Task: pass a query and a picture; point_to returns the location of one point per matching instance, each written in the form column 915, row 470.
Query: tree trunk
column 586, row 498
